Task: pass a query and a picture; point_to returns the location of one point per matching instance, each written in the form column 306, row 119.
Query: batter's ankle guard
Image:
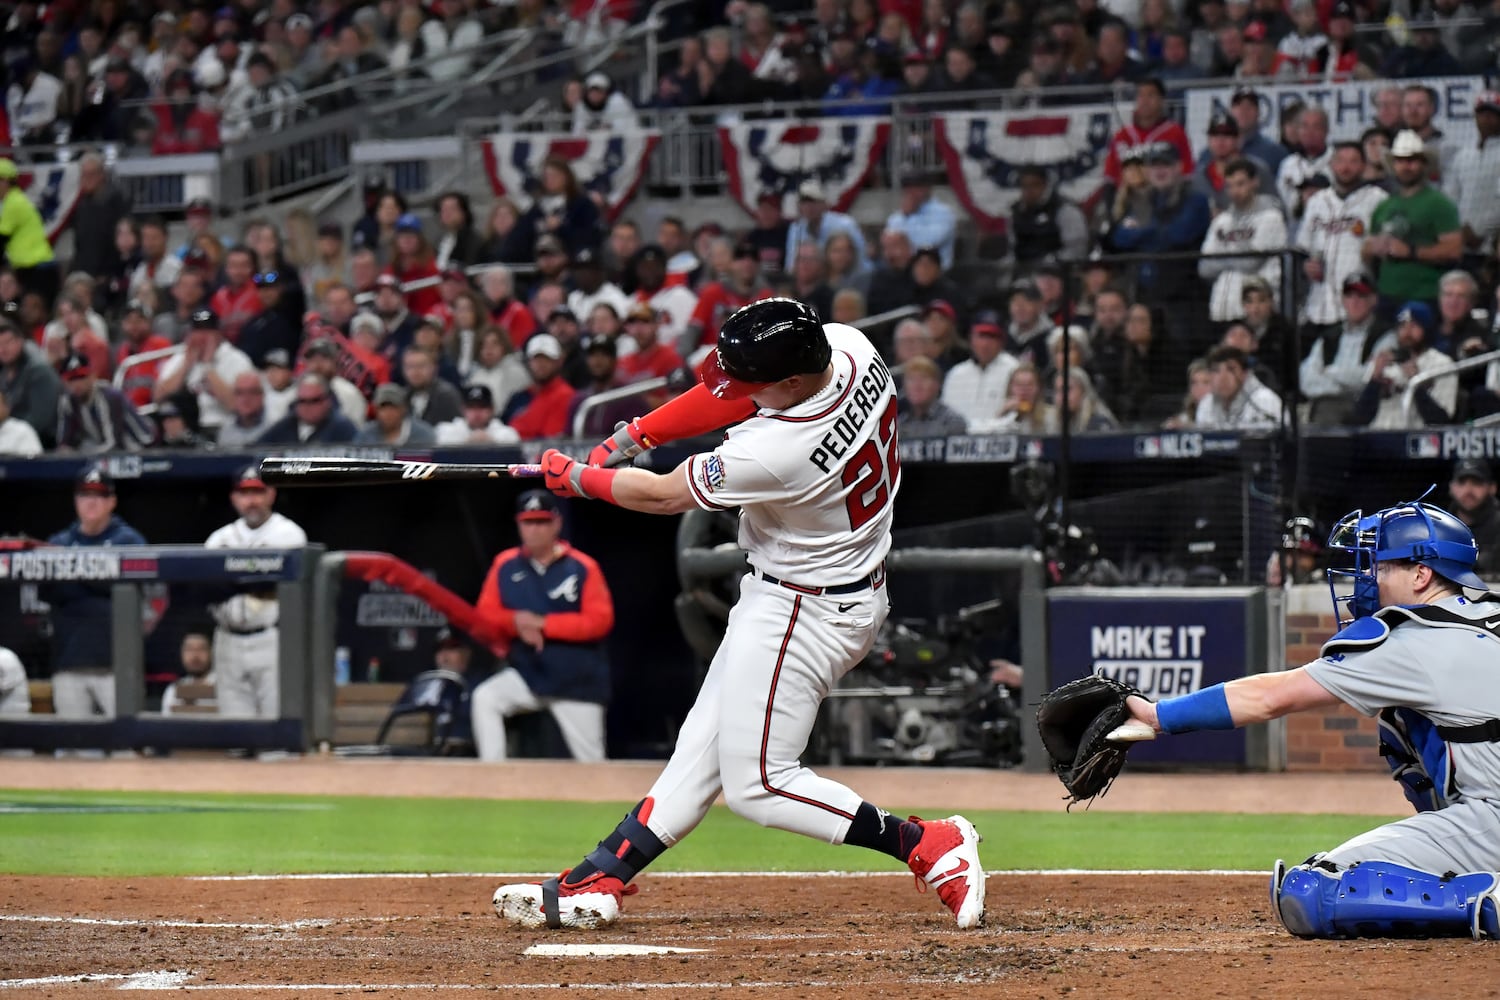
column 1380, row 899
column 630, row 848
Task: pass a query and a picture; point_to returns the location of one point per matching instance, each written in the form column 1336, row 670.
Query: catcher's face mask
column 1413, row 531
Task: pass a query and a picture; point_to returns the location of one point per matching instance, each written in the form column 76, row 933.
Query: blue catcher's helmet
column 1416, row 531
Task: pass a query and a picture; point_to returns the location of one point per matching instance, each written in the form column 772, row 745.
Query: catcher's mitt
column 1075, row 721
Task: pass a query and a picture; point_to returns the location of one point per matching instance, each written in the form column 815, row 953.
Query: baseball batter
column 1418, row 652
column 814, row 472
column 247, row 639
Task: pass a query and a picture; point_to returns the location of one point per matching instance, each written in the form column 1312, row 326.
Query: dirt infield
column 842, row 936
column 1047, row 936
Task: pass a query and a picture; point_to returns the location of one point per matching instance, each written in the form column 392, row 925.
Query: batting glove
column 618, row 449
column 568, row 477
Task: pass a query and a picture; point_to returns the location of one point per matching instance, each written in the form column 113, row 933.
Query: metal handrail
column 598, row 399
column 889, row 316
column 145, row 357
column 1409, row 397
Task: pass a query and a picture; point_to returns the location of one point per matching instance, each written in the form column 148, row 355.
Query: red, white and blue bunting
column 984, row 150
column 610, row 163
column 53, row 189
column 778, row 156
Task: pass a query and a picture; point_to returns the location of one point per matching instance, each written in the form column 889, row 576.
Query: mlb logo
column 1424, row 446
column 1148, row 447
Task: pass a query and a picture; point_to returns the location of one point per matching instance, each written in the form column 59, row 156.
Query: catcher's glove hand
column 1075, row 721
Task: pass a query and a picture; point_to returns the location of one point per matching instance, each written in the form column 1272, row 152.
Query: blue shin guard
column 1380, row 899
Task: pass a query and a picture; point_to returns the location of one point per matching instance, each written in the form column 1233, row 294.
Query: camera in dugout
column 1427, row 670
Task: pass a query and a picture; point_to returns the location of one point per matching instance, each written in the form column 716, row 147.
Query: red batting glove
column 619, row 448
column 568, row 478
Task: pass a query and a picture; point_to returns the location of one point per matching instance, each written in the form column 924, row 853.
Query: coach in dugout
column 83, row 685
column 550, row 603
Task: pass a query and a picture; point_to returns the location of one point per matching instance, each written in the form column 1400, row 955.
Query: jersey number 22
column 873, row 478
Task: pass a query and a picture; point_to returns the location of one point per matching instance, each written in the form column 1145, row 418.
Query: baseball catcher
column 1081, row 726
column 1418, row 647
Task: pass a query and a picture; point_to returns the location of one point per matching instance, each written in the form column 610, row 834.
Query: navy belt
column 248, row 631
column 871, row 582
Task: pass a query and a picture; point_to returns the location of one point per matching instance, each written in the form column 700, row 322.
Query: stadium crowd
column 1162, row 301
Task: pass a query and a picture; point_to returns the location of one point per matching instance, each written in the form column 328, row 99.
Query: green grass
column 128, row 834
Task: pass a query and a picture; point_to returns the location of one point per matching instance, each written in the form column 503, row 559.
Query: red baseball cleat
column 947, row 859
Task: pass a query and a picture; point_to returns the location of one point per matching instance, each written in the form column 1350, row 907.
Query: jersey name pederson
column 848, row 428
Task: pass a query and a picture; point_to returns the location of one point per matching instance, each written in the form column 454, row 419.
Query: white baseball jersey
column 245, row 612
column 1293, row 172
column 1334, row 226
column 1257, row 228
column 815, row 483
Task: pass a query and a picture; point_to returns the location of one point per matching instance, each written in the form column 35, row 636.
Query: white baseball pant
column 782, row 654
column 247, row 681
column 507, row 694
column 83, row 693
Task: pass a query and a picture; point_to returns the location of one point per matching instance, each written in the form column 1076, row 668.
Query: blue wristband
column 1206, row 709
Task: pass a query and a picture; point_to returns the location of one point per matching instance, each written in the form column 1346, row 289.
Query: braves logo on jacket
column 571, row 594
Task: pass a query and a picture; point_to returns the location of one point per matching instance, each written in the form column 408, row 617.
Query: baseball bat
column 314, row 470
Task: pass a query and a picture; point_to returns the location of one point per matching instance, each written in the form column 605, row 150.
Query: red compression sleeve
column 695, row 412
column 597, row 483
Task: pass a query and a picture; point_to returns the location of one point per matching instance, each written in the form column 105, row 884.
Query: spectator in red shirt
column 183, row 123
column 77, row 337
column 506, row 312
column 542, row 410
column 720, row 299
column 135, row 325
column 412, row 261
column 238, row 300
column 653, row 358
column 1149, row 124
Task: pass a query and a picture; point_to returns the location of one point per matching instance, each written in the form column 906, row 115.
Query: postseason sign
column 1166, row 642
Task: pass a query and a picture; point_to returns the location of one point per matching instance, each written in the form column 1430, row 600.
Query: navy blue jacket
column 81, row 611
column 579, row 614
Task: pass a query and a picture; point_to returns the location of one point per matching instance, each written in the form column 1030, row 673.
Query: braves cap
column 249, row 478
column 941, row 306
column 640, row 310
column 1223, row 124
column 1473, row 468
column 537, row 505
column 1489, row 100
column 987, row 321
column 388, row 281
column 586, row 257
column 94, row 481
column 479, row 395
column 324, row 346
column 75, row 367
column 600, row 343
column 446, row 638
column 205, row 319
column 1359, row 282
column 1244, row 94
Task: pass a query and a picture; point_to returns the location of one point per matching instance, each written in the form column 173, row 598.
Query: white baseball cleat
column 594, row 902
column 947, row 859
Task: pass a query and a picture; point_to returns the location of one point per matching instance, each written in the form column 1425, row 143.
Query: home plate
column 603, row 950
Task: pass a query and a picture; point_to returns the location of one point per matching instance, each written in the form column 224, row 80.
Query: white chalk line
column 1063, row 872
column 283, row 925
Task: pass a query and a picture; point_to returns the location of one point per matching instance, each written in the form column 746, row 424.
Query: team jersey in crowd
column 1134, row 138
column 234, row 307
column 1334, row 227
column 1259, row 227
column 815, row 483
